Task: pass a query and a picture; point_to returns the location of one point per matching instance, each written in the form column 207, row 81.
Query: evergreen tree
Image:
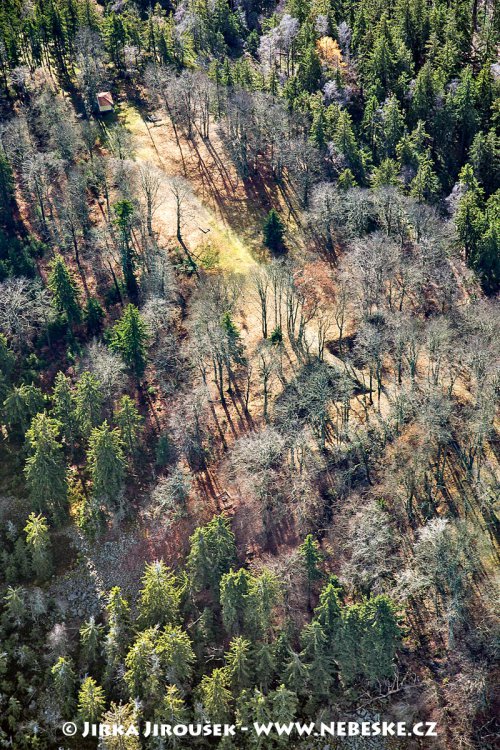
column 382, row 636
column 159, row 597
column 486, row 258
column 176, row 654
column 22, row 404
column 295, row 674
column 38, row 542
column 284, row 704
column 130, row 338
column 124, row 213
column 369, row 638
column 252, row 706
column 65, row 290
column 143, row 670
column 129, row 424
column 425, row 185
column 315, row 656
column 7, row 197
column 345, row 143
column 93, row 315
column 274, row 231
column 173, row 711
column 484, row 93
column 265, row 665
column 470, row 218
column 107, row 465
column 328, row 612
column 264, row 593
column 91, row 702
column 45, row 470
column 88, row 403
column 464, row 111
column 318, row 132
column 239, row 664
column 64, row 679
column 118, row 636
column 15, row 604
column 309, row 73
column 64, row 408
column 311, row 558
column 156, row 657
column 386, row 174
column 348, row 646
column 212, row 553
column 391, row 127
column 387, row 61
column 7, row 361
column 215, row 697
column 125, row 715
column 346, row 180
column 234, row 589
column 485, row 160
column 424, row 94
column 91, row 642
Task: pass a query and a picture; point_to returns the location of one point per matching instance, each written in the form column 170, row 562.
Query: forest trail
column 212, row 192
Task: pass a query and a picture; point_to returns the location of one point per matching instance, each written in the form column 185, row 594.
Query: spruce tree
column 173, row 710
column 64, row 290
column 263, row 595
column 315, row 656
column 91, row 701
column 130, row 338
column 93, row 315
column 295, row 673
column 311, row 558
column 234, row 589
column 212, row 553
column 88, row 403
column 38, row 542
column 45, row 470
column 265, row 665
column 382, row 637
column 91, row 642
column 425, row 185
column 176, row 654
column 129, row 423
column 215, row 697
column 143, row 672
column 284, row 704
column 124, row 212
column 64, row 408
column 22, row 404
column 159, row 597
column 274, row 231
column 64, row 679
column 345, row 143
column 16, row 609
column 7, row 361
column 107, row 465
column 125, row 715
column 7, row 196
column 118, row 636
column 239, row 664
column 328, row 612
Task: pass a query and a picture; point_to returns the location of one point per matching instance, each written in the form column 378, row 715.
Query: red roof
column 104, row 99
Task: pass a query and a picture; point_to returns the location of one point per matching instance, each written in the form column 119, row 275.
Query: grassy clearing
column 203, row 216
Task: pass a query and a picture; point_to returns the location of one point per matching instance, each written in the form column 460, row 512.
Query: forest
column 249, row 369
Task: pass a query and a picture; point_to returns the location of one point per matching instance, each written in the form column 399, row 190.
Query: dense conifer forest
column 249, row 369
